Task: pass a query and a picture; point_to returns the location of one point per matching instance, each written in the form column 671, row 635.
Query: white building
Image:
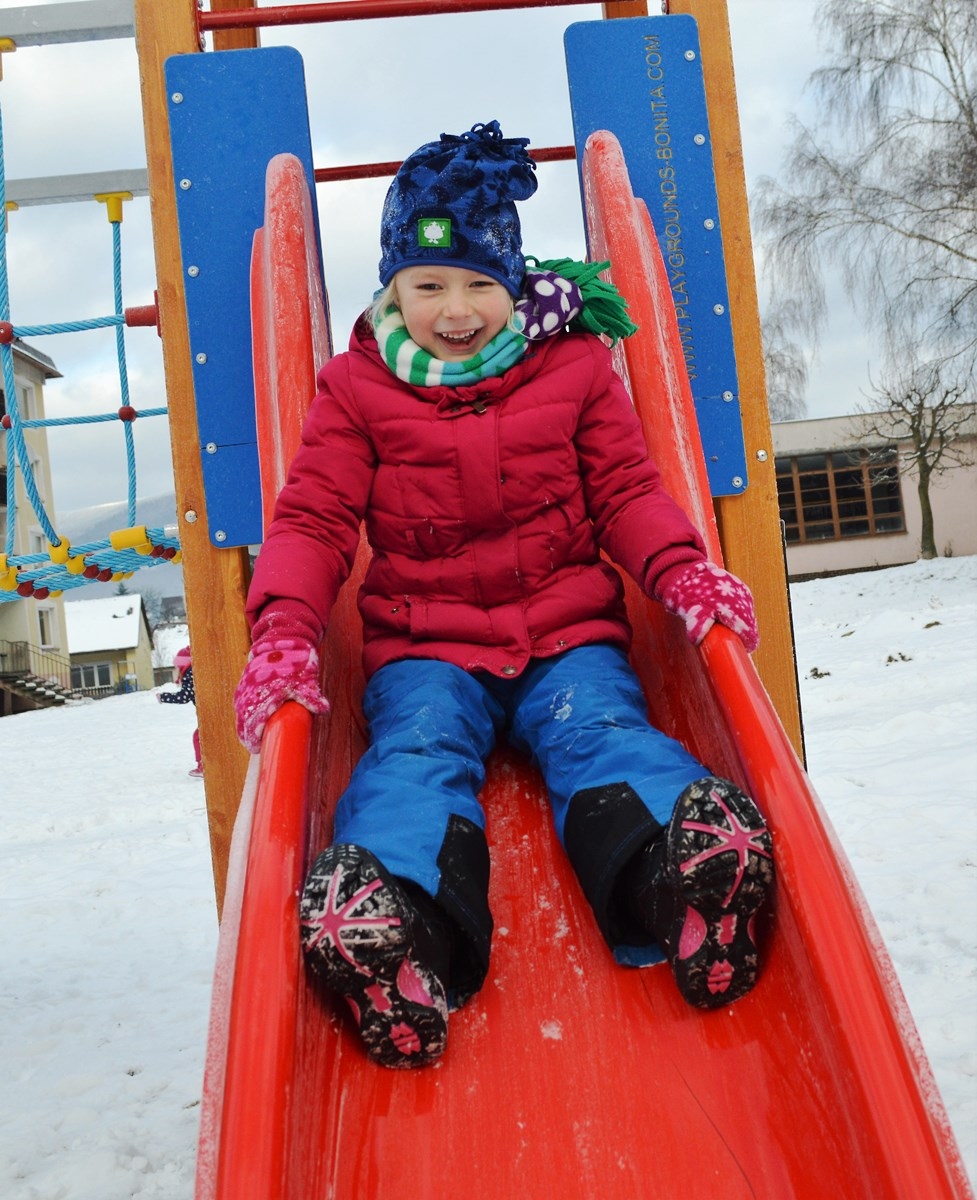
column 33, row 646
column 110, row 645
column 849, row 503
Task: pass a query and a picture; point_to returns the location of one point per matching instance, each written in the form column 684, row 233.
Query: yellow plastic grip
column 8, row 575
column 129, row 539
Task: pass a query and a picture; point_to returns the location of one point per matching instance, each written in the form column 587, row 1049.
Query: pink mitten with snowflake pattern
column 701, row 594
column 283, row 665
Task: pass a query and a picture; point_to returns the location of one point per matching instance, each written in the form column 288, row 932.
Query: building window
column 45, row 622
column 844, row 494
column 37, row 475
column 28, row 405
column 91, row 675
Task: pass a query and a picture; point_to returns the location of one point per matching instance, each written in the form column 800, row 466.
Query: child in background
column 477, row 427
column 183, row 675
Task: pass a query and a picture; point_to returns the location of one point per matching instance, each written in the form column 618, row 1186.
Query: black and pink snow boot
column 698, row 889
column 366, row 939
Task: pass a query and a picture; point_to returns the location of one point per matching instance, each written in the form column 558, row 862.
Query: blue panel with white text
column 641, row 79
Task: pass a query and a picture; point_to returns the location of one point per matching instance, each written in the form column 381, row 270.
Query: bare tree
column 152, row 602
column 784, row 362
column 920, row 406
column 884, row 183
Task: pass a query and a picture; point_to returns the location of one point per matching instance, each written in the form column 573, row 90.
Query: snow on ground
column 107, row 939
column 107, row 928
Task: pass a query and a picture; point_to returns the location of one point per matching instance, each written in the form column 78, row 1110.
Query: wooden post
column 749, row 524
column 215, row 580
column 625, row 8
column 234, row 39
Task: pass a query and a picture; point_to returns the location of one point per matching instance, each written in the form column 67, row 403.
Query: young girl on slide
column 479, row 430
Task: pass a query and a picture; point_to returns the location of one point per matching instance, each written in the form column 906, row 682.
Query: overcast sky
column 376, row 91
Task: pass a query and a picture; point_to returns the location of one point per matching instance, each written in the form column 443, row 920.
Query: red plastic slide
column 567, row 1076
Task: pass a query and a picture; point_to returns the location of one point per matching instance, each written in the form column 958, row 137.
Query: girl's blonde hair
column 381, row 302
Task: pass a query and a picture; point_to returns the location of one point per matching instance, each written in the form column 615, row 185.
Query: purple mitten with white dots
column 549, row 303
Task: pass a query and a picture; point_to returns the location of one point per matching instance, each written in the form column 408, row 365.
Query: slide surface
column 567, row 1076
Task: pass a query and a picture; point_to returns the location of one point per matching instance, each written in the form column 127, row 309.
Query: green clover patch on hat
column 434, row 231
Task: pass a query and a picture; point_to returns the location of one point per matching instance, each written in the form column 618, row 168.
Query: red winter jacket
column 486, row 508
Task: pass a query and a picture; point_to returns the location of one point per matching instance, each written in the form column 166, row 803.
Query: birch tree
column 883, row 185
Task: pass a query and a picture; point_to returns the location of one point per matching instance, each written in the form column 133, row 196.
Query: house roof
column 111, row 623
column 38, row 357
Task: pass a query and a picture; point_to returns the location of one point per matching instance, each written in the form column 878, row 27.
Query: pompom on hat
column 452, row 204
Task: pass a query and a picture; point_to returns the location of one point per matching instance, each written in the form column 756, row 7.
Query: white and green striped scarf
column 416, row 366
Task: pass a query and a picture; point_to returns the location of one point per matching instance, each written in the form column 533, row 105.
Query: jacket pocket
column 440, row 539
column 450, row 621
column 386, row 614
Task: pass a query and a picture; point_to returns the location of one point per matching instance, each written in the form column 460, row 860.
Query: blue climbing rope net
column 65, row 566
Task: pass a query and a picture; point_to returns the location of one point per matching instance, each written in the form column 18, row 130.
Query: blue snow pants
column 581, row 717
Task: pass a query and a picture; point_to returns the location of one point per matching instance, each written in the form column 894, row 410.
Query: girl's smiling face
column 451, row 312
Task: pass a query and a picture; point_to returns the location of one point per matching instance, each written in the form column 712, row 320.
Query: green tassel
column 604, row 308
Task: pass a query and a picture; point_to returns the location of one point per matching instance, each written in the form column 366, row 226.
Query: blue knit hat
column 452, row 204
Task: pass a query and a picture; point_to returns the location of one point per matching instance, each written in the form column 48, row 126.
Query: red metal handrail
column 359, row 10
column 380, row 169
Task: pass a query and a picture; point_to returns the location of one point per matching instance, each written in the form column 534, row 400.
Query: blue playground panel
column 230, row 113
column 641, row 79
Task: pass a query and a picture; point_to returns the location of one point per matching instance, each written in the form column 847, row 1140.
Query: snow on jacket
column 486, row 508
